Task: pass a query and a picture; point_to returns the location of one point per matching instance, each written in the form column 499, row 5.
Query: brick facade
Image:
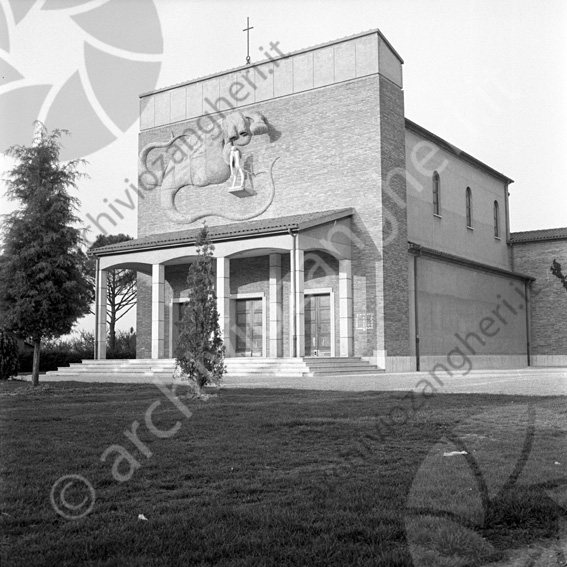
column 548, row 297
column 338, row 141
column 143, row 316
column 334, row 147
column 394, row 221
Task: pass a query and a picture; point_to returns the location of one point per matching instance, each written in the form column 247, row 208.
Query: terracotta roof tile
column 536, row 235
column 227, row 231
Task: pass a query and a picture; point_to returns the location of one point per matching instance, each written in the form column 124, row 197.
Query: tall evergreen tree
column 43, row 283
column 200, row 350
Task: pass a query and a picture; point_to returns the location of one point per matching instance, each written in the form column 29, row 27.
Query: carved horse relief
column 211, row 163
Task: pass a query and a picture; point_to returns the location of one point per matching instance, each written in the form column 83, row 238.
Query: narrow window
column 436, row 194
column 496, row 220
column 469, row 207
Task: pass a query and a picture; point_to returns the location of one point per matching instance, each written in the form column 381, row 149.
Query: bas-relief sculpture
column 212, row 162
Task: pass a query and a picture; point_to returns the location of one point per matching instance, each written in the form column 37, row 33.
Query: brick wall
column 327, row 145
column 144, row 316
column 548, row 297
column 335, row 147
column 394, row 220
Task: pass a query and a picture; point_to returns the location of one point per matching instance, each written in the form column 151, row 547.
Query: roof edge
column 268, row 60
column 538, row 235
column 420, row 250
column 410, row 125
column 188, row 239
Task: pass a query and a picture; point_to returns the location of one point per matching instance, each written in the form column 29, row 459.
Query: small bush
column 58, row 353
column 49, row 360
column 8, row 355
column 125, row 345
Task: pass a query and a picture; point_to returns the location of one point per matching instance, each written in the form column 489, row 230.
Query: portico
column 266, row 273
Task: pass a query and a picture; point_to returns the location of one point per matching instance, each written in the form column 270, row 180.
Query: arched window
column 496, row 220
column 436, row 194
column 469, row 207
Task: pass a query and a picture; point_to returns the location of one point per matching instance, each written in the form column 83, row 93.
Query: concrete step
column 144, row 370
column 339, row 366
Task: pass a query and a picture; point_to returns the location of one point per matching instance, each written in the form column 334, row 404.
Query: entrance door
column 318, row 325
column 249, row 337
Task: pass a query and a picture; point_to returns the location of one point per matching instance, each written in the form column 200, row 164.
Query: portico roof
column 233, row 231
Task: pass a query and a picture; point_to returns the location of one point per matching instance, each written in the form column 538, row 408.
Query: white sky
column 489, row 76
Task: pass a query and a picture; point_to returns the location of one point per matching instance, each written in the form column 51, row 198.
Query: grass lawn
column 278, row 478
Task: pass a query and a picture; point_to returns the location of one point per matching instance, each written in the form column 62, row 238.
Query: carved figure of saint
column 235, row 167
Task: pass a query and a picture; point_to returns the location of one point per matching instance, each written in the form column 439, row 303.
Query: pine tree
column 200, row 350
column 43, row 284
column 120, row 287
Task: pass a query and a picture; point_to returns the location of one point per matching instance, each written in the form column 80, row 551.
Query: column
column 100, row 332
column 223, row 301
column 275, row 306
column 158, row 311
column 299, row 304
column 345, row 308
column 292, row 302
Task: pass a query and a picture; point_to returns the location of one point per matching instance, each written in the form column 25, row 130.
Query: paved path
column 525, row 381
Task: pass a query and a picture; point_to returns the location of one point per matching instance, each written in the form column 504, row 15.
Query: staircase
column 338, row 365
column 136, row 371
column 240, row 366
column 145, row 370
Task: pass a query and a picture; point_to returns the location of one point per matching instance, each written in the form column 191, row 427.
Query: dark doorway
column 249, row 328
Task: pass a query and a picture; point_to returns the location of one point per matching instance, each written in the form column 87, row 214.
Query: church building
column 341, row 228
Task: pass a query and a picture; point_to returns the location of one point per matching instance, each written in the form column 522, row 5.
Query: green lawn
column 278, row 478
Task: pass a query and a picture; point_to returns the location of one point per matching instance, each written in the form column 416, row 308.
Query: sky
column 489, row 76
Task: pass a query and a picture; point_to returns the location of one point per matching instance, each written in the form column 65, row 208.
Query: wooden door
column 318, row 325
column 249, row 327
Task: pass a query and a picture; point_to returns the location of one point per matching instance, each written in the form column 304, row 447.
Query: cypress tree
column 200, row 350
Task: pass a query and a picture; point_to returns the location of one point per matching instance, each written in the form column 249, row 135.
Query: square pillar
column 100, row 330
column 275, row 306
column 299, row 303
column 291, row 302
column 223, row 301
column 345, row 308
column 158, row 310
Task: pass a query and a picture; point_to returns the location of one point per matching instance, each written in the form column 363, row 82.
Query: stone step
column 324, row 364
column 346, row 372
column 333, row 358
column 319, row 366
column 144, row 370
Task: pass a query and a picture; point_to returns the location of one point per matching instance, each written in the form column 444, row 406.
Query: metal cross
column 247, row 30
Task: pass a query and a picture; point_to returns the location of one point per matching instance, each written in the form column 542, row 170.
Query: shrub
column 49, row 360
column 57, row 353
column 8, row 355
column 200, row 350
column 125, row 346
